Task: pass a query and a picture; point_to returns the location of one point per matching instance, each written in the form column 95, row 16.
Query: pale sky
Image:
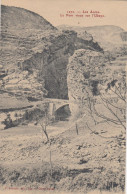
column 115, row 11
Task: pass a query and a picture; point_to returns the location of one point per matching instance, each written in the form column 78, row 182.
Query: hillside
column 109, row 37
column 30, row 43
column 124, row 36
column 19, row 20
column 21, row 34
column 81, row 163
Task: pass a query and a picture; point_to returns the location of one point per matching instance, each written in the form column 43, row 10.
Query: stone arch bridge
column 55, row 104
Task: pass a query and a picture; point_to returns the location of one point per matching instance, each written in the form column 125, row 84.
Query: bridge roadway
column 55, row 104
column 55, row 101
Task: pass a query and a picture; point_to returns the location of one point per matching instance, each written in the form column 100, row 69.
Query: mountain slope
column 21, row 34
column 108, row 36
column 22, row 19
column 30, row 44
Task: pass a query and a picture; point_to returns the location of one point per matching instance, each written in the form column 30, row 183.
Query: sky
column 114, row 11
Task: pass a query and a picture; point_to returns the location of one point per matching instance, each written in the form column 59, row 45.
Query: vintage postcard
column 63, row 96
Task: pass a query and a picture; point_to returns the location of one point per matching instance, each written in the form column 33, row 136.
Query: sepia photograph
column 63, row 96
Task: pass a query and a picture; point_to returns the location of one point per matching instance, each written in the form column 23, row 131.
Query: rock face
column 52, row 62
column 89, row 74
column 22, row 34
column 24, row 85
column 34, row 44
column 85, row 72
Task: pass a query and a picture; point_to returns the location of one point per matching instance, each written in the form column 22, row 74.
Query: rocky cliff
column 85, row 72
column 30, row 43
column 89, row 74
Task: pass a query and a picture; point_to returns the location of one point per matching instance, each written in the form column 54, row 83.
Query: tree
column 110, row 105
column 44, row 121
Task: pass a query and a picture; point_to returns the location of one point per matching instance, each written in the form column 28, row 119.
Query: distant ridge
column 108, row 36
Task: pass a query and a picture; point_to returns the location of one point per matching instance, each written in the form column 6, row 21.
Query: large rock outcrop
column 34, row 44
column 85, row 72
column 89, row 74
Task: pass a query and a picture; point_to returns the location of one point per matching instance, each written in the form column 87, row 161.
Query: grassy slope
column 80, row 162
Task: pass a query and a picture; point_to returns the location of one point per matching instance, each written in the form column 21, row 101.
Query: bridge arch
column 62, row 112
